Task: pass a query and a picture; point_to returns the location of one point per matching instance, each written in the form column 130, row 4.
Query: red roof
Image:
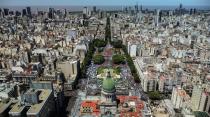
column 133, row 102
column 92, row 105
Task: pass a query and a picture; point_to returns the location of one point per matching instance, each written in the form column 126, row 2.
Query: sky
column 103, row 2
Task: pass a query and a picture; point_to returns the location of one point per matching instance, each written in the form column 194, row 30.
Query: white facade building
column 179, row 98
column 196, row 97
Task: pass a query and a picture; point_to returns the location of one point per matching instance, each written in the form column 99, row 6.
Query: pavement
column 136, row 88
column 76, row 108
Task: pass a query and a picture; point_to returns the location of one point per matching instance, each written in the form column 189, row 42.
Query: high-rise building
column 136, row 8
column 6, row 11
column 70, row 69
column 126, row 9
column 86, row 12
column 191, row 11
column 158, row 17
column 94, row 9
column 24, row 12
column 179, row 98
column 194, row 11
column 45, row 105
column 51, row 13
column 180, row 9
column 65, row 13
column 180, row 6
column 196, row 97
column 205, row 102
column 28, row 9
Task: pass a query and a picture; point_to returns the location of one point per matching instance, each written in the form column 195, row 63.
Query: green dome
column 108, row 84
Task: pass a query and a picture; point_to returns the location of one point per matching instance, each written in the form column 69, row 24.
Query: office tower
column 196, row 97
column 100, row 14
column 94, row 9
column 24, row 12
column 126, row 9
column 86, row 12
column 158, row 17
column 136, row 8
column 51, row 13
column 180, row 6
column 65, row 13
column 191, row 11
column 69, row 68
column 6, row 11
column 28, row 9
column 180, row 9
column 194, row 11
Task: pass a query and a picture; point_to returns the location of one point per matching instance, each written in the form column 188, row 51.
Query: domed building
column 108, row 89
column 108, row 104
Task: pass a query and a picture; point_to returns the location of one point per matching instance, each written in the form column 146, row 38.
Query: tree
column 117, row 44
column 98, row 59
column 87, row 60
column 131, row 65
column 99, row 43
column 117, row 70
column 154, row 95
column 118, row 59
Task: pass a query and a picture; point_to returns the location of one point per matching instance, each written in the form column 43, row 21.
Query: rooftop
column 43, row 97
column 4, row 104
column 17, row 109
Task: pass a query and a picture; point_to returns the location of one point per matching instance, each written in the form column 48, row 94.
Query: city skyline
column 104, row 58
column 103, row 2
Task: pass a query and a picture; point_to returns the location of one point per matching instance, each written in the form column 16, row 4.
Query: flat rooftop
column 4, row 105
column 36, row 108
column 17, row 109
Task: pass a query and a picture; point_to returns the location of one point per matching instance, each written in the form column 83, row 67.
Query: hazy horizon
column 103, row 2
column 103, row 7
